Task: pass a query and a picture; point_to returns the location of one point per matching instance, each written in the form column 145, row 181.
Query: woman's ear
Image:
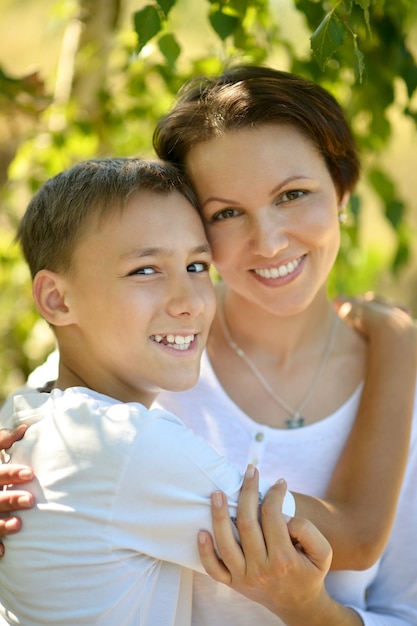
column 342, row 207
column 344, row 201
column 49, row 293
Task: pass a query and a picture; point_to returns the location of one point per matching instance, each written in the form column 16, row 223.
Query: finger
column 250, row 531
column 274, row 523
column 8, row 437
column 12, row 474
column 15, row 500
column 9, row 525
column 372, row 297
column 227, row 546
column 310, row 541
column 211, row 562
column 340, row 301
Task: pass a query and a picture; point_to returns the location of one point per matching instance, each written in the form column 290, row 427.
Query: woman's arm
column 277, row 565
column 359, row 507
column 288, row 579
column 16, row 475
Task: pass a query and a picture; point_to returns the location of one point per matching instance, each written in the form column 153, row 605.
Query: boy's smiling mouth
column 178, row 342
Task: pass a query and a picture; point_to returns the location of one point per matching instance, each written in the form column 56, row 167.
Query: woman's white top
column 386, row 594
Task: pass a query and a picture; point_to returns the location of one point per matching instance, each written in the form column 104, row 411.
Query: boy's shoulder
column 77, row 405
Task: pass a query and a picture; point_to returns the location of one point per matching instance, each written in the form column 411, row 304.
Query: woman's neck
column 312, row 362
column 282, row 336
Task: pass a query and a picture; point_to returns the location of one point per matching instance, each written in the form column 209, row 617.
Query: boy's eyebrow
column 157, row 250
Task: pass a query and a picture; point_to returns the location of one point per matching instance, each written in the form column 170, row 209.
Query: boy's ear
column 50, row 295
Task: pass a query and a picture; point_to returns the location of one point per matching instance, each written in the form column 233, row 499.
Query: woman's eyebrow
column 217, row 199
column 287, row 180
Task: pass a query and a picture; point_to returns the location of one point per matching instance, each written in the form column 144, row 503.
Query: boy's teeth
column 179, row 342
column 179, row 339
column 282, row 270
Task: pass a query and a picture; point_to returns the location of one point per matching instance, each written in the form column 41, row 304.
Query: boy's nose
column 186, row 299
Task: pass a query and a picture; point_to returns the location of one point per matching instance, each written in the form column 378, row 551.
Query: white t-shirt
column 120, row 494
column 386, row 594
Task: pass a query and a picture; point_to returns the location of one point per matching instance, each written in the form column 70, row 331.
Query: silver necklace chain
column 295, row 420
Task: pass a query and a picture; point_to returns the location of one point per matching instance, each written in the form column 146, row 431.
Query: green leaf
column 241, row 7
column 170, row 49
column 382, row 184
column 359, row 58
column 394, row 212
column 385, row 188
column 223, row 23
column 147, row 24
column 327, row 38
column 402, row 255
column 364, row 4
column 166, row 5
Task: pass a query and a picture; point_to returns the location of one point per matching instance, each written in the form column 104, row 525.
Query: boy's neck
column 68, row 378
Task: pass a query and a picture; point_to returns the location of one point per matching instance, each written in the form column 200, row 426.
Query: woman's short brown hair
column 252, row 96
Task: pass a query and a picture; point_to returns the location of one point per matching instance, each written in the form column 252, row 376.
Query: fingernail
column 24, row 500
column 280, row 481
column 11, row 524
column 250, row 471
column 202, row 537
column 25, row 474
column 217, row 499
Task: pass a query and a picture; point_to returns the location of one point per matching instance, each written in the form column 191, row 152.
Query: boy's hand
column 277, row 565
column 12, row 475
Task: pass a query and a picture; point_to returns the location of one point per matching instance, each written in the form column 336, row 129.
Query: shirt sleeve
column 164, row 495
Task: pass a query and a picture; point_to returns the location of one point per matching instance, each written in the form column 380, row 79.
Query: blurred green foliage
column 116, row 77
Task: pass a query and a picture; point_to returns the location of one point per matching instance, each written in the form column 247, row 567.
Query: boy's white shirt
column 120, row 494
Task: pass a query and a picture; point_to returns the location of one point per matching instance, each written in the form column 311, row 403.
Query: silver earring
column 342, row 215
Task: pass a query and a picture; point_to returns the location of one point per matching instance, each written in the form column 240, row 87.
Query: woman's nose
column 268, row 234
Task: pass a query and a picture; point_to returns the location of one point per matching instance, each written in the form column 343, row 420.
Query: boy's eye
column 198, row 267
column 143, row 271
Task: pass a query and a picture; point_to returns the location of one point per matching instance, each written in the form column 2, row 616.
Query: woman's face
column 271, row 214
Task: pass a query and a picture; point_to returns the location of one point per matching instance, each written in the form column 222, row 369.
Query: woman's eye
column 198, row 267
column 224, row 214
column 291, row 195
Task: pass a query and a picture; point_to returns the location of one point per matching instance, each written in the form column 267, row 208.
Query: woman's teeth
column 282, row 270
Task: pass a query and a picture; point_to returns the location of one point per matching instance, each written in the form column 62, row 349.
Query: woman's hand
column 281, row 566
column 371, row 314
column 12, row 500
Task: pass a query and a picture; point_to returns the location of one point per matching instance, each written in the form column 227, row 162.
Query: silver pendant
column 296, row 421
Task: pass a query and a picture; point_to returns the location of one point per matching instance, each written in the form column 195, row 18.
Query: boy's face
column 141, row 300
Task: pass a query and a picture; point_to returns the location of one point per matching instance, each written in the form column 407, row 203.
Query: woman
column 273, row 162
column 274, row 231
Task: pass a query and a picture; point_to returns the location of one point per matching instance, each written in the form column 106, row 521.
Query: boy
column 120, row 267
